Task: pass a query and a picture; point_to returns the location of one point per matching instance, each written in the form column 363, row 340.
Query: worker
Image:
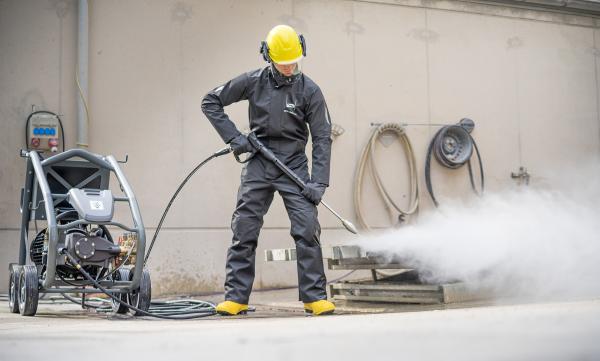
column 284, row 104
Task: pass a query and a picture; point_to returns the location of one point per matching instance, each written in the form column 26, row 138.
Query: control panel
column 43, row 132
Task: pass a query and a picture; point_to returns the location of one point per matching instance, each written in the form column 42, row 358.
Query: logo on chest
column 290, row 108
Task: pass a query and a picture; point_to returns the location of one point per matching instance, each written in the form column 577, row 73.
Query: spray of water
column 534, row 242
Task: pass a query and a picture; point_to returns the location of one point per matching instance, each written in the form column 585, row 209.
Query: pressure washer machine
column 76, row 252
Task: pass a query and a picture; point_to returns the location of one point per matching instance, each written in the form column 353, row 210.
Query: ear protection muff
column 303, row 44
column 264, row 48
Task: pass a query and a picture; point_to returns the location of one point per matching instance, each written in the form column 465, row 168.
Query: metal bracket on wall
column 336, row 131
column 522, row 176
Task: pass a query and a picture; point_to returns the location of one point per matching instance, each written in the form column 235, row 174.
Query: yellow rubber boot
column 321, row 307
column 230, row 308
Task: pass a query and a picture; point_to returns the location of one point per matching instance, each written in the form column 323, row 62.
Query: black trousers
column 259, row 181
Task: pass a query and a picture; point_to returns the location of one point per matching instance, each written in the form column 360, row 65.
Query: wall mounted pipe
column 82, row 73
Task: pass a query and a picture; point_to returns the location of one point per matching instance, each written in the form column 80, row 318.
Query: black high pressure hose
column 439, row 149
column 159, row 306
column 219, row 153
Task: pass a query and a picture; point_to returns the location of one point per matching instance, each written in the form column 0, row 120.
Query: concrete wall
column 528, row 78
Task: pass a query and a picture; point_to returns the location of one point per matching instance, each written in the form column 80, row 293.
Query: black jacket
column 281, row 112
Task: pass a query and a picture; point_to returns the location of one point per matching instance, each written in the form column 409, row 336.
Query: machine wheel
column 141, row 298
column 28, row 290
column 13, row 290
column 121, row 275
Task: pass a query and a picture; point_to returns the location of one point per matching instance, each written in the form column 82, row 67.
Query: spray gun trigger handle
column 253, row 139
column 239, row 160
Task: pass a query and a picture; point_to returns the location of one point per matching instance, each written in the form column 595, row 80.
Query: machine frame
column 37, row 191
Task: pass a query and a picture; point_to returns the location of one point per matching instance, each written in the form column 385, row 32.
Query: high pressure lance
column 269, row 155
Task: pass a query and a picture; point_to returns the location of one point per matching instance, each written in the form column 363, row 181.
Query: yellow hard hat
column 283, row 46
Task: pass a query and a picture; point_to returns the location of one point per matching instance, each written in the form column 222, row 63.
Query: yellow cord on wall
column 85, row 104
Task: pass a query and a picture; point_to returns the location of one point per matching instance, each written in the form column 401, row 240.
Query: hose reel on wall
column 368, row 157
column 452, row 147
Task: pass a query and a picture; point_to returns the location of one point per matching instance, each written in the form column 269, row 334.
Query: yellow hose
column 85, row 104
column 368, row 157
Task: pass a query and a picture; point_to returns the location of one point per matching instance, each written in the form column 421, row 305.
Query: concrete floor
column 278, row 330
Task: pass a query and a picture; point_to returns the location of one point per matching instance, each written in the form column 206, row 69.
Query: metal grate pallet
column 403, row 286
column 335, row 252
column 364, row 263
column 406, row 292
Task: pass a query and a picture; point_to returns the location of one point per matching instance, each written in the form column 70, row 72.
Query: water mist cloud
column 525, row 242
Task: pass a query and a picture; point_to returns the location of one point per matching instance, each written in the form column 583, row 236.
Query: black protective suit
column 281, row 112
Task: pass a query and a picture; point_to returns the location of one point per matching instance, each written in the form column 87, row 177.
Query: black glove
column 241, row 145
column 314, row 192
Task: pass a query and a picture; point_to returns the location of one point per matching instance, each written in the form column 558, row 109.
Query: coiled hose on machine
column 453, row 146
column 368, row 157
